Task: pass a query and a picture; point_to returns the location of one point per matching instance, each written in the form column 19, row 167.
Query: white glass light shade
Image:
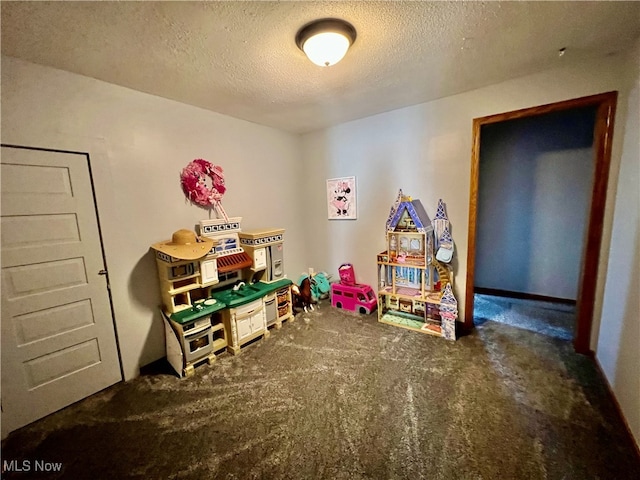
column 326, row 41
column 325, row 49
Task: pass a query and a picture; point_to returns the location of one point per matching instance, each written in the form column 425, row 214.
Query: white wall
column 409, row 149
column 536, row 176
column 426, row 150
column 618, row 351
column 561, row 202
column 138, row 144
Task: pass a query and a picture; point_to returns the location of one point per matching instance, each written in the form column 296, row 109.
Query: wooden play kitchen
column 216, row 296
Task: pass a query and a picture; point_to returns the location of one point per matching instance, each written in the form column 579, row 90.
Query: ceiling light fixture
column 326, row 41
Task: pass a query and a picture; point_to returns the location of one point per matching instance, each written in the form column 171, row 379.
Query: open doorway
column 601, row 110
column 534, row 191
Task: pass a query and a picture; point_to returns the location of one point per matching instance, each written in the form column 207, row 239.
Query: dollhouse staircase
column 444, row 274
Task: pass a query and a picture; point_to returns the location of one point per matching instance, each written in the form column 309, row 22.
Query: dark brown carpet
column 338, row 396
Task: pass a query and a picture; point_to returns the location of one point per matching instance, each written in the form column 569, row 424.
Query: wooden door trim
column 602, row 139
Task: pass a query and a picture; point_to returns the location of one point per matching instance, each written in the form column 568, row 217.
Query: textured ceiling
column 240, row 58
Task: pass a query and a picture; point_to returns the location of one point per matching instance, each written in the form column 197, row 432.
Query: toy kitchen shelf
column 278, row 306
column 194, row 335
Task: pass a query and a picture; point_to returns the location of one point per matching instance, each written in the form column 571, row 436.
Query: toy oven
column 271, row 308
column 197, row 339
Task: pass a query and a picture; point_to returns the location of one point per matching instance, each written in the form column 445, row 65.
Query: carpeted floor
column 341, row 396
column 553, row 319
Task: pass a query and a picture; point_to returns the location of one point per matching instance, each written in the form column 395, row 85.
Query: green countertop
column 198, row 310
column 248, row 293
column 228, row 298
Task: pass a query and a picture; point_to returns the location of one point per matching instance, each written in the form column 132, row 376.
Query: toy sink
column 248, row 293
column 244, row 294
column 246, row 290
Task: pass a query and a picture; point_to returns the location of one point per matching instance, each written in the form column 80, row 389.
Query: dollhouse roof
column 393, row 209
column 441, row 214
column 448, row 302
column 445, row 238
column 417, row 213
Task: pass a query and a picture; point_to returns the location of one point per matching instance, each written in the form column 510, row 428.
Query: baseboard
column 634, row 440
column 522, row 295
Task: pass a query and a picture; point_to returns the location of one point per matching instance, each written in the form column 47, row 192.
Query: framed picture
column 341, row 198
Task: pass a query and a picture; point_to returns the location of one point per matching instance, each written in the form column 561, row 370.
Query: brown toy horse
column 302, row 295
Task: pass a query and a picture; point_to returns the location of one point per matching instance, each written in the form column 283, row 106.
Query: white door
column 58, row 338
column 260, row 258
column 209, row 272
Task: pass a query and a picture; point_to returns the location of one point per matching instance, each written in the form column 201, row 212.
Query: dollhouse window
column 416, row 247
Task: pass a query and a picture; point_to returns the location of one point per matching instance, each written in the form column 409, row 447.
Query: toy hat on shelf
column 185, row 245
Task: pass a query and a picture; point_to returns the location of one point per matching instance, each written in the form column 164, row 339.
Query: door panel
column 209, row 271
column 35, row 326
column 58, row 338
column 244, row 327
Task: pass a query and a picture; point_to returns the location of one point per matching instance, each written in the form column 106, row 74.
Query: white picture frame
column 342, row 198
